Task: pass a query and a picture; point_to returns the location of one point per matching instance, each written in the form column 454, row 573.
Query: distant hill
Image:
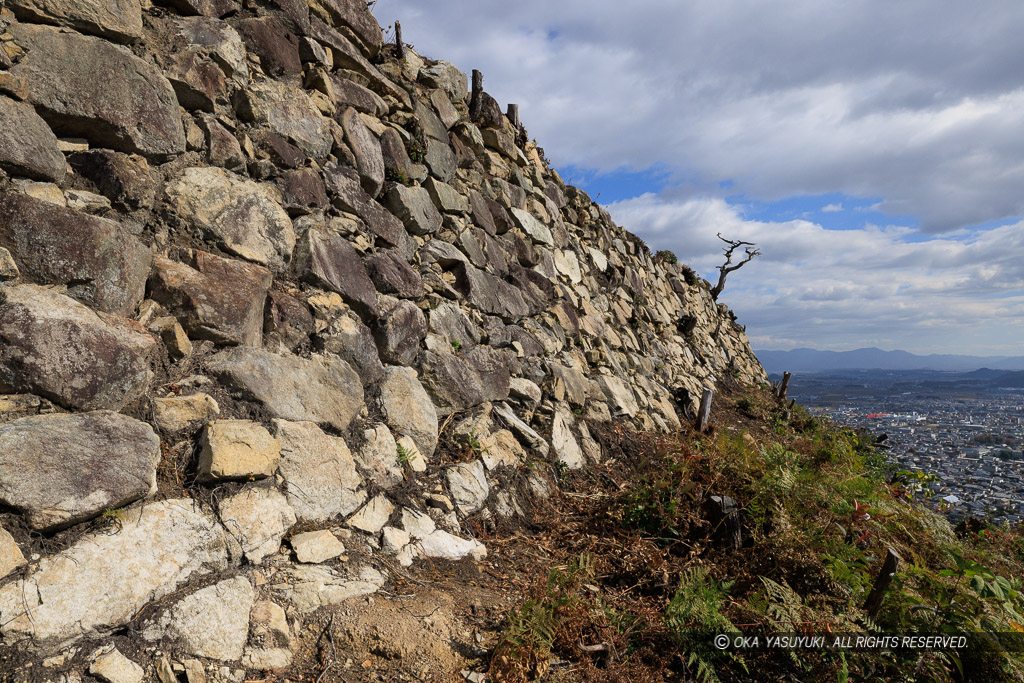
column 813, row 360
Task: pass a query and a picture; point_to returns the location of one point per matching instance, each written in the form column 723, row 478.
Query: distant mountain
column 812, row 360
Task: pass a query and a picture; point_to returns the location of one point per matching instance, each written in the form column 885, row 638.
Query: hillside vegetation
column 642, row 577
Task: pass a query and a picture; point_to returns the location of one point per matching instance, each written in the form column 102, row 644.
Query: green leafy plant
column 666, row 256
column 456, row 345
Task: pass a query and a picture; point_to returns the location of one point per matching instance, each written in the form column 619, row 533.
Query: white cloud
column 832, row 208
column 915, row 104
column 848, row 288
column 917, row 101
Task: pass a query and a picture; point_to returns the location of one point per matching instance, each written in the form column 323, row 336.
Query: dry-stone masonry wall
column 250, row 266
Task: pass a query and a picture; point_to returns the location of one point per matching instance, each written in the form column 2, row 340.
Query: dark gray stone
column 276, row 46
column 55, row 347
column 139, row 115
column 123, row 179
column 330, row 261
column 59, row 470
column 320, row 389
column 27, row 145
column 399, row 331
column 413, row 206
column 490, row 294
column 369, row 161
column 392, row 274
column 100, row 262
column 214, row 298
column 348, row 195
column 449, row 321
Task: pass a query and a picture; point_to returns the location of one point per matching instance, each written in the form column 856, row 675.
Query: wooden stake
column 513, row 115
column 874, row 601
column 474, row 99
column 785, row 385
column 725, row 517
column 399, row 45
column 704, row 414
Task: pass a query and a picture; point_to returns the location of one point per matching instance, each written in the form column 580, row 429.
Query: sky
column 873, row 149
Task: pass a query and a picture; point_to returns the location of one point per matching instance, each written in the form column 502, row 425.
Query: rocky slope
column 259, row 278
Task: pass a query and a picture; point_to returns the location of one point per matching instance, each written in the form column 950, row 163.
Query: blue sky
column 874, row 150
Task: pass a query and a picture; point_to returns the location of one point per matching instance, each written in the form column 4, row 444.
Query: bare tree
column 723, row 270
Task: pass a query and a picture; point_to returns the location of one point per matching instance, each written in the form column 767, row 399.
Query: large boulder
column 319, row 471
column 490, row 294
column 288, row 112
column 123, row 179
column 399, row 331
column 104, row 579
column 53, row 346
column 214, row 298
column 366, row 148
column 119, row 20
column 206, row 8
column 213, row 622
column 328, row 260
column 408, row 408
column 240, row 215
column 27, row 145
column 348, row 195
column 319, row 389
column 354, row 19
column 276, row 46
column 414, row 207
column 99, row 261
column 62, row 469
column 139, row 115
column 258, row 518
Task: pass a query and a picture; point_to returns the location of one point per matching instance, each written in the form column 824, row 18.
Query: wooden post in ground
column 785, row 385
column 399, row 45
column 704, row 414
column 889, row 567
column 513, row 115
column 474, row 99
column 725, row 518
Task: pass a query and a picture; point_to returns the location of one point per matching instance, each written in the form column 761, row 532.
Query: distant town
column 964, row 429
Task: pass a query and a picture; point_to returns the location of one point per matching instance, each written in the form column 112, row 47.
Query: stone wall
column 254, row 269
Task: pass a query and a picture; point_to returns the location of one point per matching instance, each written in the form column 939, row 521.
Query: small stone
column 269, row 624
column 314, row 547
column 444, row 545
column 319, row 471
column 114, row 667
column 468, row 485
column 440, row 502
column 237, row 449
column 410, row 454
column 393, row 540
column 10, row 554
column 258, row 518
column 373, row 516
column 178, row 412
column 173, row 336
column 267, row 659
column 213, row 622
column 8, row 268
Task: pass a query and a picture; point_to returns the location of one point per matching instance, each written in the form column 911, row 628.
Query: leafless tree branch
column 749, row 249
